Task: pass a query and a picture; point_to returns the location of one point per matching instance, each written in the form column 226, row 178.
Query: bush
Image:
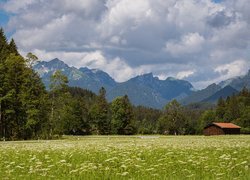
column 245, row 131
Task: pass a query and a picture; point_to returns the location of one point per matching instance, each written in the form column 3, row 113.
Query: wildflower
column 124, row 173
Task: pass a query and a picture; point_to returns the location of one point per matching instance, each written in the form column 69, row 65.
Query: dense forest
column 29, row 111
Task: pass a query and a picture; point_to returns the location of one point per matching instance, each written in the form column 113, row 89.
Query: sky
column 202, row 41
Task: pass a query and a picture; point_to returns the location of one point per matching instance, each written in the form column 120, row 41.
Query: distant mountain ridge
column 200, row 95
column 145, row 89
column 151, row 90
column 91, row 79
column 237, row 82
column 223, row 89
column 222, row 93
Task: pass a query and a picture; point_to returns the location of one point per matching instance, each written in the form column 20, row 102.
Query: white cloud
column 184, row 74
column 15, row 6
column 236, row 68
column 94, row 60
column 127, row 38
column 225, row 71
column 189, row 44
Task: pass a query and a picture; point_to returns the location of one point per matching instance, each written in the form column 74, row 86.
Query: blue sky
column 4, row 18
column 199, row 41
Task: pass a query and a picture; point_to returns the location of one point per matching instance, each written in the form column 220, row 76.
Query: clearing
column 128, row 157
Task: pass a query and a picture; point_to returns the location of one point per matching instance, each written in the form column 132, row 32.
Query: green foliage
column 100, row 114
column 13, row 48
column 4, row 46
column 235, row 109
column 173, row 120
column 58, row 82
column 122, row 116
column 206, row 118
column 31, row 59
column 59, row 100
column 146, row 119
column 76, row 119
column 22, row 95
column 220, row 110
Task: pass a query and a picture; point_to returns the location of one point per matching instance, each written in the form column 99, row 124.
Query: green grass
column 134, row 157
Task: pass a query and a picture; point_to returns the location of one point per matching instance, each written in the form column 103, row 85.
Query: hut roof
column 226, row 125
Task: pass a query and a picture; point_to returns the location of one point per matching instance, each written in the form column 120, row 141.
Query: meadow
column 128, row 157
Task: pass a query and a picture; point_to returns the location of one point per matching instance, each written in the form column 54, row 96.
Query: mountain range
column 145, row 89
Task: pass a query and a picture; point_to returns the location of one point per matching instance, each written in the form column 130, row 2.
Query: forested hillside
column 234, row 109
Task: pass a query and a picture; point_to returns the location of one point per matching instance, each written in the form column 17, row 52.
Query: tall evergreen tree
column 14, row 79
column 220, row 109
column 4, row 47
column 3, row 55
column 35, row 101
column 22, row 95
column 99, row 114
column 13, row 47
column 232, row 110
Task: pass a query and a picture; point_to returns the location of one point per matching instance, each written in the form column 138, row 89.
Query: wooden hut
column 218, row 128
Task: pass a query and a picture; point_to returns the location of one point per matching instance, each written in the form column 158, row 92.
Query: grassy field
column 134, row 157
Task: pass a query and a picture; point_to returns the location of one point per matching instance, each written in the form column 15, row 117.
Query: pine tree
column 3, row 55
column 220, row 109
column 35, row 101
column 99, row 114
column 12, row 47
column 22, row 95
column 244, row 92
column 4, row 51
column 13, row 82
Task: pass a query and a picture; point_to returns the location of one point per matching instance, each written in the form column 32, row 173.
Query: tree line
column 235, row 109
column 29, row 111
column 22, row 94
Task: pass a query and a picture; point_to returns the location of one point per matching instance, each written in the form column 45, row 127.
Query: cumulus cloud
column 94, row 60
column 189, row 44
column 235, row 68
column 200, row 41
column 184, row 74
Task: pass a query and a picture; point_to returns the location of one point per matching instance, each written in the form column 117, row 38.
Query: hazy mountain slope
column 168, row 89
column 138, row 94
column 224, row 93
column 150, row 91
column 200, row 95
column 238, row 82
